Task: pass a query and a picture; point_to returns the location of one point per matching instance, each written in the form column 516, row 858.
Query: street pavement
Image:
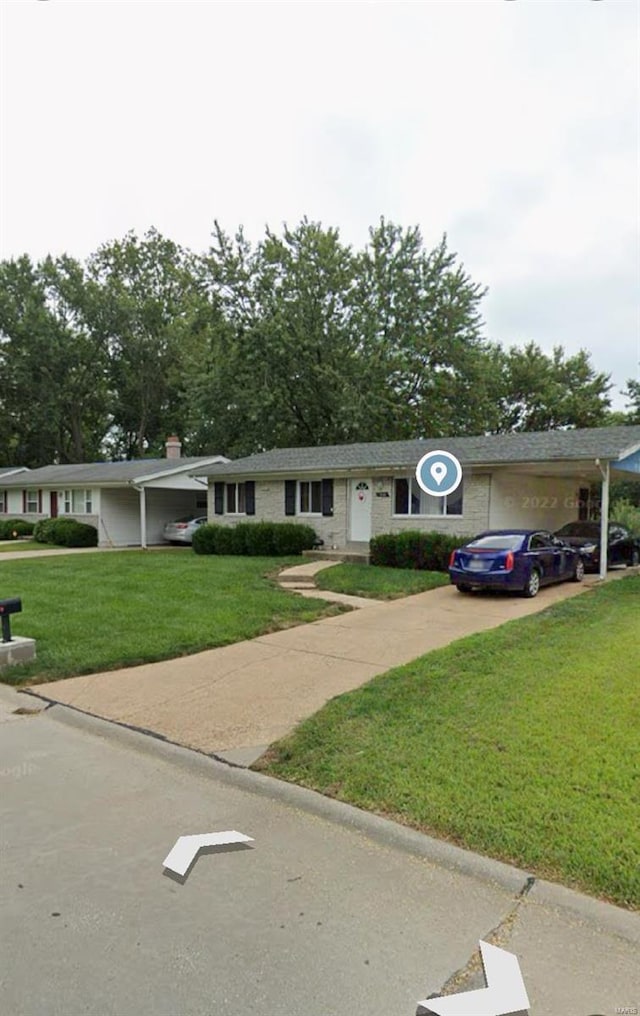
column 329, row 912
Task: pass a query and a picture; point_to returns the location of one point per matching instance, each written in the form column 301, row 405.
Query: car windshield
column 580, row 529
column 499, row 541
column 187, row 518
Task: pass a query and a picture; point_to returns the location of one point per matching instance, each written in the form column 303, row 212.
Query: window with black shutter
column 250, row 497
column 218, row 498
column 327, row 497
column 289, row 497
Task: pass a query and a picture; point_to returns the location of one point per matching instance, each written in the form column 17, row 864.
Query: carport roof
column 606, row 443
column 101, row 474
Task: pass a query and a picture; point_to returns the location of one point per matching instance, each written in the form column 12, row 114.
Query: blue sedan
column 521, row 560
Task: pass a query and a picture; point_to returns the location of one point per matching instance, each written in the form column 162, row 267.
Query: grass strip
column 378, row 582
column 92, row 612
column 522, row 743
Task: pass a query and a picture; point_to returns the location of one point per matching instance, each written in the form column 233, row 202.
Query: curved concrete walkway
column 301, row 579
column 234, row 701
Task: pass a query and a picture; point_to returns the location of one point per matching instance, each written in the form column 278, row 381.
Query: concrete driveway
column 234, row 701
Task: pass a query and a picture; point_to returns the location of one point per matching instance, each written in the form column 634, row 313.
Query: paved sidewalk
column 234, row 701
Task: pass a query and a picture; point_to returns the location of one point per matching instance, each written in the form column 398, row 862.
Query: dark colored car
column 622, row 547
column 521, row 560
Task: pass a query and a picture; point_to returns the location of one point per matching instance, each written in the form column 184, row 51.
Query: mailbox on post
column 8, row 607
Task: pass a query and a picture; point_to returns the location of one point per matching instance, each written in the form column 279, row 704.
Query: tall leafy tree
column 632, row 393
column 142, row 294
column 541, row 392
column 53, row 395
column 283, row 364
column 418, row 314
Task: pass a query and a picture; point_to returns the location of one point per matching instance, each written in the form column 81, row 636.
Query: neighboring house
column 128, row 502
column 5, row 473
column 349, row 493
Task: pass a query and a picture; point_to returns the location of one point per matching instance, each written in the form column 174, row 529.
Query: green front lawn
column 20, row 545
column 377, row 582
column 92, row 612
column 522, row 743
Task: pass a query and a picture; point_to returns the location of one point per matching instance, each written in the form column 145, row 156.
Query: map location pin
column 438, row 471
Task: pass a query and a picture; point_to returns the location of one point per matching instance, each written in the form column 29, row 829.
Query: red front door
column 54, row 504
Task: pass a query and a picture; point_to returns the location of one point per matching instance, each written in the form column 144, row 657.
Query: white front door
column 360, row 515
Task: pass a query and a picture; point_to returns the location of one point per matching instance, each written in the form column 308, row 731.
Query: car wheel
column 635, row 558
column 463, row 588
column 532, row 587
column 578, row 573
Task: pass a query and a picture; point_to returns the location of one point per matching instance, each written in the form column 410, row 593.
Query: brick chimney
column 173, row 447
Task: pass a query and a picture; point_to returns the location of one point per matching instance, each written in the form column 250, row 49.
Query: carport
column 583, row 473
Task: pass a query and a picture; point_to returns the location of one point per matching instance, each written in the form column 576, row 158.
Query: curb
column 605, row 916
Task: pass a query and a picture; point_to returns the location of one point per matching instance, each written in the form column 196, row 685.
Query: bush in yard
column 257, row 539
column 71, row 533
column 216, row 539
column 627, row 514
column 414, row 549
column 43, row 531
column 204, row 539
column 292, row 538
column 11, row 529
column 382, row 550
column 230, row 540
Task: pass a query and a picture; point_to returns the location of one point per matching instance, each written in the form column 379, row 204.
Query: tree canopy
column 297, row 339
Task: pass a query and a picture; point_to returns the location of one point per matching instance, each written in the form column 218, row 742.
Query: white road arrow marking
column 505, row 991
column 182, row 854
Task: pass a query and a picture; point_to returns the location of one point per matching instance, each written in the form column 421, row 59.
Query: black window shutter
column 250, row 497
column 289, row 497
column 327, row 497
column 218, row 498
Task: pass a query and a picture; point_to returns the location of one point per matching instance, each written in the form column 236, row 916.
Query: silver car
column 182, row 530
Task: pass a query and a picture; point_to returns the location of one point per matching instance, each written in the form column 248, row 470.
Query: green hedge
column 256, row 539
column 43, row 530
column 11, row 529
column 414, row 549
column 66, row 533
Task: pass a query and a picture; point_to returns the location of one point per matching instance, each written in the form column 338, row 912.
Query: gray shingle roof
column 496, row 449
column 6, row 470
column 101, row 473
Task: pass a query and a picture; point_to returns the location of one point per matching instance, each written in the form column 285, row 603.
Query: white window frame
column 66, row 500
column 28, row 501
column 414, row 492
column 312, row 487
column 239, row 499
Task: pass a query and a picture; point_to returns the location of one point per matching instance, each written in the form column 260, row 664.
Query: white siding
column 179, row 482
column 119, row 518
column 14, row 502
column 532, row 502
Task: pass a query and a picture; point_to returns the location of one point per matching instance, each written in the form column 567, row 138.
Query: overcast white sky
column 510, row 124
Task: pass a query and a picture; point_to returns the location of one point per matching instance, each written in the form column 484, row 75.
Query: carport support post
column 604, row 520
column 143, row 517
